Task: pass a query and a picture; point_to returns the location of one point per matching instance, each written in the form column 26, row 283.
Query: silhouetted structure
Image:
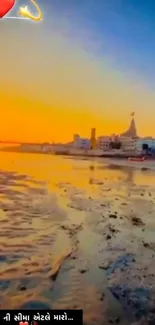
column 93, row 138
column 132, row 131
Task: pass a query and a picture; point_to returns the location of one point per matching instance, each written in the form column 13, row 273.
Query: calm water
column 49, row 205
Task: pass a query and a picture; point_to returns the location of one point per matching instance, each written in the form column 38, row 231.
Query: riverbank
column 145, row 165
column 95, row 221
column 63, row 151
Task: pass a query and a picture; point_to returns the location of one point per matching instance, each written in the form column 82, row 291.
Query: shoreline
column 78, row 153
column 120, row 160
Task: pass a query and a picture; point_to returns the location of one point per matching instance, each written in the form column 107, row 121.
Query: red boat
column 136, row 158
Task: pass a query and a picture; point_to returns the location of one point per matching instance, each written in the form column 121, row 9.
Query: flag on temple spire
column 133, row 114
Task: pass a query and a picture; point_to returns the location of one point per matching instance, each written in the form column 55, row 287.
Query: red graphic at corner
column 6, row 6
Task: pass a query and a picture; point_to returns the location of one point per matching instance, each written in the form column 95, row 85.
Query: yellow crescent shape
column 25, row 12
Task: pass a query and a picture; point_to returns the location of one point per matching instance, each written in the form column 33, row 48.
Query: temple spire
column 132, row 131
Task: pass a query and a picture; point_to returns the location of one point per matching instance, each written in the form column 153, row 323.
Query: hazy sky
column 90, row 63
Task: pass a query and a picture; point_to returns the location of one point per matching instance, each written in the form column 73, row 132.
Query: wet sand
column 77, row 234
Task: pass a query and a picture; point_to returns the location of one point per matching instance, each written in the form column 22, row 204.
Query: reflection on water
column 50, row 204
column 55, row 168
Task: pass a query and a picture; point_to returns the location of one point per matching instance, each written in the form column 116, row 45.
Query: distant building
column 129, row 138
column 81, row 143
column 103, row 142
column 31, row 147
column 148, row 141
column 128, row 143
column 76, row 137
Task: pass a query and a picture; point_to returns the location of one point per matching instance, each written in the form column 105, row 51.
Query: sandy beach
column 78, row 233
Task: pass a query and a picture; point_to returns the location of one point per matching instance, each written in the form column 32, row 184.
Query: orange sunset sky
column 52, row 85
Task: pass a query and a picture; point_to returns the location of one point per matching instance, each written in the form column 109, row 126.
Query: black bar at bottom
column 36, row 317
